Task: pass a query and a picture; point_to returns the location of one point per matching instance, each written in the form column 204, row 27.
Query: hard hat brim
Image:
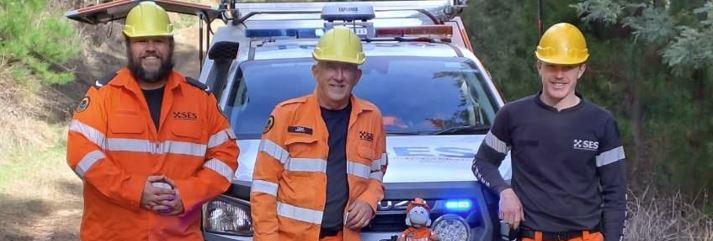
column 562, row 61
column 338, row 59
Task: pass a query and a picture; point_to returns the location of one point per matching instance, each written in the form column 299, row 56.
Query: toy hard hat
column 417, row 202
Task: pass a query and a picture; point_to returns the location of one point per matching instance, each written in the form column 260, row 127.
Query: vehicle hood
column 411, row 159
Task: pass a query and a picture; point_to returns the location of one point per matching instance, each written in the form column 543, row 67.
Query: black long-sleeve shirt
column 568, row 165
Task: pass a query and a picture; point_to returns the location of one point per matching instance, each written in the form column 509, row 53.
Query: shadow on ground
column 36, row 219
column 18, row 216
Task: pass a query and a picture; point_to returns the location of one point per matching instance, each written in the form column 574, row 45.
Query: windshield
column 416, row 95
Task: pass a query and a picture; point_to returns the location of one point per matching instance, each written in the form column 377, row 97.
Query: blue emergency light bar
column 290, row 32
column 459, row 205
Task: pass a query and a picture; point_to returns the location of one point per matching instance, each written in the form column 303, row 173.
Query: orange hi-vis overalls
column 113, row 146
column 289, row 181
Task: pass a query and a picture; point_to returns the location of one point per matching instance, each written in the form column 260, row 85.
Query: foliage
column 604, row 10
column 650, row 65
column 36, row 38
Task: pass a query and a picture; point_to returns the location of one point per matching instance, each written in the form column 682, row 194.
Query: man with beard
column 150, row 145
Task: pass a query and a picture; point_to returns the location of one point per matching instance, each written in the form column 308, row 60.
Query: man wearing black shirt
column 318, row 175
column 568, row 162
column 149, row 144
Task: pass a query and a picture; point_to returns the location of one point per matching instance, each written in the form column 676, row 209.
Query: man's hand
column 170, row 207
column 359, row 213
column 152, row 196
column 510, row 208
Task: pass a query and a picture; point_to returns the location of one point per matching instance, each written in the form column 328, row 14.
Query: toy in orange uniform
column 418, row 219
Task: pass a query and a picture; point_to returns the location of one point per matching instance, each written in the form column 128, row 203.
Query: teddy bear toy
column 418, row 219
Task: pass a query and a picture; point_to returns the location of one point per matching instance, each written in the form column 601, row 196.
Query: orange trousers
column 586, row 236
column 337, row 237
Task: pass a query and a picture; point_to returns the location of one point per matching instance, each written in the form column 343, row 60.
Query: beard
column 151, row 76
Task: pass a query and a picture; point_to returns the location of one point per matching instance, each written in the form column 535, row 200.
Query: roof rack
column 110, row 11
column 115, row 10
column 438, row 11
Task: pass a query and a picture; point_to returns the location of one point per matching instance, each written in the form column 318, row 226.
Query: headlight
column 451, row 227
column 227, row 215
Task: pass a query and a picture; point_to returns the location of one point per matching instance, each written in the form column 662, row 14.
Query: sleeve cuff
column 500, row 188
column 133, row 195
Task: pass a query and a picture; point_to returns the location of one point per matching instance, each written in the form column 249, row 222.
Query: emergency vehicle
column 436, row 98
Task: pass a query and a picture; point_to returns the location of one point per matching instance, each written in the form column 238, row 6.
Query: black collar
column 550, row 108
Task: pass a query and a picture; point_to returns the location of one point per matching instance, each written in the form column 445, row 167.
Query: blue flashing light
column 459, row 205
column 298, row 33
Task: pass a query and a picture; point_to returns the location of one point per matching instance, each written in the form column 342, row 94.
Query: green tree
column 35, row 41
column 669, row 53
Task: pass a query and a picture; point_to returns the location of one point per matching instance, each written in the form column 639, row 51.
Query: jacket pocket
column 302, row 146
column 126, row 123
column 187, row 130
column 367, row 152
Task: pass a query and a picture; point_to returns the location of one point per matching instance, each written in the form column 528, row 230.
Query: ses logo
column 585, row 145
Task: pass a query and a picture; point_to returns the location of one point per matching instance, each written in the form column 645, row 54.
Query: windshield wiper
column 406, row 133
column 469, row 129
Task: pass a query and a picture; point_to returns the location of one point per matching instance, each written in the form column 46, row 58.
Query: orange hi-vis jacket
column 289, row 185
column 113, row 146
column 417, row 234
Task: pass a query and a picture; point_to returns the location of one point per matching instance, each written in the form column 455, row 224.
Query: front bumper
column 486, row 205
column 364, row 237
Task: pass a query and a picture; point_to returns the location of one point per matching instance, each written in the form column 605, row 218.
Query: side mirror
column 223, row 54
column 223, row 50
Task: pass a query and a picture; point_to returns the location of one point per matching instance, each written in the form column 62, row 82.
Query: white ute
column 436, row 97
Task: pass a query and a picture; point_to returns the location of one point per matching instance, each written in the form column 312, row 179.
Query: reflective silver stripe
column 358, row 169
column 220, row 167
column 219, row 138
column 274, row 150
column 138, row 145
column 231, row 133
column 379, row 176
column 493, row 142
column 180, row 147
column 132, row 145
column 610, row 156
column 87, row 162
column 264, row 187
column 378, row 163
column 88, row 132
column 306, row 165
column 298, row 213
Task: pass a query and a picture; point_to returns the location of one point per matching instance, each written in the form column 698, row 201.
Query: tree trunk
column 636, row 158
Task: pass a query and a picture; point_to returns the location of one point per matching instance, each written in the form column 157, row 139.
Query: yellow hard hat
column 147, row 20
column 341, row 45
column 562, row 43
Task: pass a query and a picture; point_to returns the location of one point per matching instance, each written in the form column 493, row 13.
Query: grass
column 40, row 196
column 668, row 217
